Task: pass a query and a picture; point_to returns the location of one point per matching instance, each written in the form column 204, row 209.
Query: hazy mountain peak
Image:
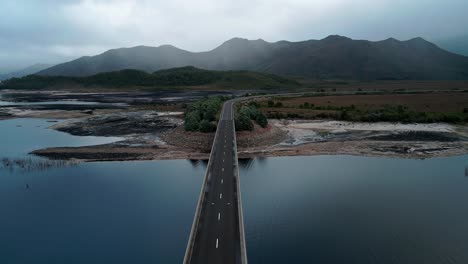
column 419, row 40
column 242, row 41
column 167, row 46
column 336, row 38
column 391, row 39
column 332, row 57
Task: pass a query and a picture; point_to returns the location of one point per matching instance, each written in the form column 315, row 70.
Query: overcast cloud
column 51, row 31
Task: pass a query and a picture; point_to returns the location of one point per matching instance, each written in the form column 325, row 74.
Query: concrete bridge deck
column 217, row 234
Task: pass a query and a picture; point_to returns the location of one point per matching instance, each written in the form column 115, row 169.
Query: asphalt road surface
column 217, row 239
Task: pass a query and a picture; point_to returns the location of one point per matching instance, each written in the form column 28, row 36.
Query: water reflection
column 246, row 163
column 198, row 163
column 346, row 209
column 103, row 212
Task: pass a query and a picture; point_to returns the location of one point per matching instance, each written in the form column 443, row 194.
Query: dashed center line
column 219, row 216
column 220, row 196
column 222, row 181
column 216, row 243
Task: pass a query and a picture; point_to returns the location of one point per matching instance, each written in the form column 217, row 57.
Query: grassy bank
column 421, row 108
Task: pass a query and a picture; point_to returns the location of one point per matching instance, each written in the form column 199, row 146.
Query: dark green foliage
column 201, row 115
column 185, row 76
column 248, row 113
column 261, row 120
column 207, row 126
column 192, row 121
column 398, row 113
column 306, row 105
column 243, row 121
column 386, row 113
column 279, row 104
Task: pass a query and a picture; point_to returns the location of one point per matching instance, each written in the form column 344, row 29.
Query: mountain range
column 334, row 57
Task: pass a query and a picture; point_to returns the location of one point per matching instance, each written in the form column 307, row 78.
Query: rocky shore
column 169, row 140
column 152, row 127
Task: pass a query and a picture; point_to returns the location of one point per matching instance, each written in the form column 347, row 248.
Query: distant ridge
column 183, row 77
column 334, row 57
column 26, row 71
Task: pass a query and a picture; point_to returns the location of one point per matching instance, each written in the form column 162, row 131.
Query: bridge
column 217, row 234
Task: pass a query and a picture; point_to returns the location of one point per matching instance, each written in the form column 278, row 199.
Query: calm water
column 120, row 212
column 344, row 209
column 322, row 209
column 20, row 136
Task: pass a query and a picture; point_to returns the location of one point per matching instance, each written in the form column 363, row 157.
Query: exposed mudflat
column 280, row 138
column 316, row 137
column 158, row 134
column 121, row 124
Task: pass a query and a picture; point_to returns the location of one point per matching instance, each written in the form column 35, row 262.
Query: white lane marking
column 223, row 160
column 216, row 243
column 229, row 203
column 224, row 152
column 223, row 169
column 220, row 196
column 222, row 181
column 219, row 216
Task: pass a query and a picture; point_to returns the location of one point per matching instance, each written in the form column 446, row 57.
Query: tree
column 261, row 120
column 206, row 126
column 243, row 121
column 192, row 121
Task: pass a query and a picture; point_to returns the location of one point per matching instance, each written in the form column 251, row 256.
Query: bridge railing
column 243, row 247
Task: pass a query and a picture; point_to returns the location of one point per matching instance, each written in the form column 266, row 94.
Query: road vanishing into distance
column 217, row 234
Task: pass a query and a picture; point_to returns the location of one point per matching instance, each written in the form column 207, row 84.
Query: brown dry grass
column 386, row 85
column 428, row 102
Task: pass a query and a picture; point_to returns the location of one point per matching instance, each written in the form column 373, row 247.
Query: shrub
column 207, row 126
column 261, row 120
column 192, row 121
column 201, row 115
column 243, row 121
column 279, row 104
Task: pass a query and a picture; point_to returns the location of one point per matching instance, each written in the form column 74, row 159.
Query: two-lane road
column 217, row 236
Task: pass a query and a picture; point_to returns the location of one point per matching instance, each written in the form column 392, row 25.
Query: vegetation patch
column 177, row 77
column 202, row 115
column 420, row 108
column 246, row 115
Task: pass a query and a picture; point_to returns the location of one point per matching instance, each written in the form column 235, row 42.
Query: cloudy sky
column 51, row 31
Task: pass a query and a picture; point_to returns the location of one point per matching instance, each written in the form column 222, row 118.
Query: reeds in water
column 35, row 164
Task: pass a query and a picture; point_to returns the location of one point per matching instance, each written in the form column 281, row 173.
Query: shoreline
column 100, row 155
column 155, row 131
column 280, row 138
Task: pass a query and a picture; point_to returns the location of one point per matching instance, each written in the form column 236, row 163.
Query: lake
column 345, row 209
column 318, row 209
